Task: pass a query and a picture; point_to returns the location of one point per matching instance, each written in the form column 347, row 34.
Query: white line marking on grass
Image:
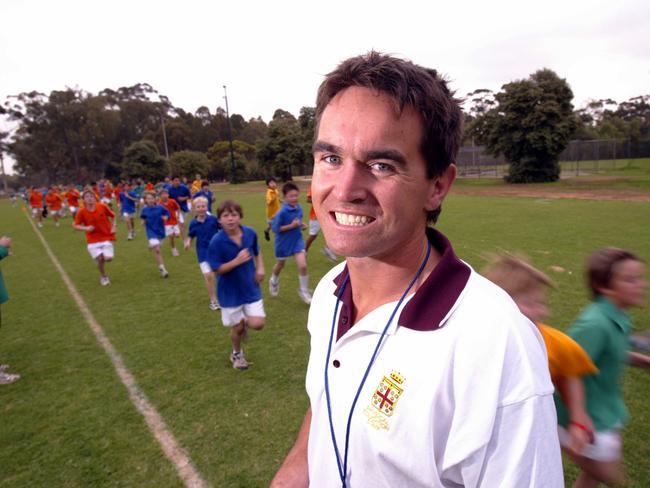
column 170, row 446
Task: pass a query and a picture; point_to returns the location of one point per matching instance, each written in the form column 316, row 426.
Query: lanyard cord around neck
column 344, row 468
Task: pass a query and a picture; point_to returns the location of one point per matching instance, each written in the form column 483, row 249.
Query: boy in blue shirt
column 235, row 255
column 128, row 200
column 154, row 217
column 288, row 225
column 205, row 193
column 204, row 227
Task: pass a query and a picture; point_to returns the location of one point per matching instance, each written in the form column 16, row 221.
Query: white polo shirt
column 459, row 394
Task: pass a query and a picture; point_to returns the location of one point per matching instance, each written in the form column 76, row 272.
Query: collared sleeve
column 520, row 452
column 215, row 257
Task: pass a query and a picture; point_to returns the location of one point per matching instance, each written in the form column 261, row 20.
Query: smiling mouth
column 352, row 220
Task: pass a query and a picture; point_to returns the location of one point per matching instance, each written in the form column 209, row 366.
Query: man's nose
column 352, row 182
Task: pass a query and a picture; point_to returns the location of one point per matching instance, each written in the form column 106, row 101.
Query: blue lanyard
column 343, row 468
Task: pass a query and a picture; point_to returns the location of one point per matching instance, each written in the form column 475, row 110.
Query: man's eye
column 332, row 159
column 382, row 167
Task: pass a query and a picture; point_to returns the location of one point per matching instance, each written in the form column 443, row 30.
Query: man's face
column 370, row 189
column 176, row 182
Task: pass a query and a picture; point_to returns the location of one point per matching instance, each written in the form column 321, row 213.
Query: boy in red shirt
column 54, row 202
column 36, row 203
column 98, row 222
column 172, row 229
column 72, row 197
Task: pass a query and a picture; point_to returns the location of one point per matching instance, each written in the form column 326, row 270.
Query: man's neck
column 376, row 281
column 201, row 217
column 234, row 232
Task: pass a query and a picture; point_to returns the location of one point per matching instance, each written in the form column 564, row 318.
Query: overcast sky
column 273, row 54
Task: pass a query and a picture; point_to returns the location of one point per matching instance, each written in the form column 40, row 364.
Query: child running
column 314, row 230
column 172, row 229
column 235, row 255
column 206, row 193
column 616, row 279
column 54, row 202
column 288, row 225
column 36, row 204
column 272, row 205
column 154, row 217
column 128, row 201
column 203, row 227
column 98, row 222
column 567, row 361
column 72, row 196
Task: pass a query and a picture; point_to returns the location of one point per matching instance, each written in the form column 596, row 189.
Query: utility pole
column 4, row 175
column 233, row 179
column 162, row 123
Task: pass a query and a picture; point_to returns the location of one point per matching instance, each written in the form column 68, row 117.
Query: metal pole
column 233, row 179
column 4, row 175
column 162, row 123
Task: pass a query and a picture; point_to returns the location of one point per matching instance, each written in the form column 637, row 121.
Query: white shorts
column 55, row 212
column 607, row 445
column 72, row 209
column 153, row 242
column 106, row 201
column 314, row 227
column 172, row 230
column 37, row 210
column 231, row 316
column 181, row 217
column 127, row 215
column 104, row 247
column 205, row 267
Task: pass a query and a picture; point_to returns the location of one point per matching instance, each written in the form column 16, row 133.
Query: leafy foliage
column 188, row 163
column 531, row 126
column 142, row 160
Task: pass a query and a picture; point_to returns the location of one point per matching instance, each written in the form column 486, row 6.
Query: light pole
column 233, row 178
column 162, row 123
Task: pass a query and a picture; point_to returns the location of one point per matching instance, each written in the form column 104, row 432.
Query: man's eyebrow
column 322, row 146
column 390, row 154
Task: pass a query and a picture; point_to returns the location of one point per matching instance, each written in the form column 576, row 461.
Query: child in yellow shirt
column 567, row 361
column 272, row 204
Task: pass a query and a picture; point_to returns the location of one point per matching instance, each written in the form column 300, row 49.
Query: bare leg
column 277, row 268
column 100, row 265
column 593, row 472
column 158, row 255
column 209, row 283
column 309, row 241
column 256, row 323
column 236, row 334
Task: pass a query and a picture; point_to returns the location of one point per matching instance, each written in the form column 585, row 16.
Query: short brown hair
column 514, row 274
column 600, row 267
column 408, row 84
column 230, row 206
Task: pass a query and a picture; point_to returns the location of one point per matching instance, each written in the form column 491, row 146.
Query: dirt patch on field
column 555, row 193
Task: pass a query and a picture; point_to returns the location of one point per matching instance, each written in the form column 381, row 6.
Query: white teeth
column 354, row 220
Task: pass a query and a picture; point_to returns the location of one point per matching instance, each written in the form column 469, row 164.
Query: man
column 421, row 372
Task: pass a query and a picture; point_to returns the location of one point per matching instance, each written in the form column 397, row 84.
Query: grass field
column 69, row 421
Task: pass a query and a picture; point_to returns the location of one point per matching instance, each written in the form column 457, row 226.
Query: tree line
column 132, row 132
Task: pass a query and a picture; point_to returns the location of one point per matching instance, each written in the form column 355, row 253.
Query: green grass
column 69, row 422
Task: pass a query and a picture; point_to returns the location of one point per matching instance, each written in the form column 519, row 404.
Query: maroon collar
column 433, row 300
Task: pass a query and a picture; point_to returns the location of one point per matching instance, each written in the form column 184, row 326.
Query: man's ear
column 439, row 188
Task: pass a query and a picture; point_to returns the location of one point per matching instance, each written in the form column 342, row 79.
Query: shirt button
column 336, row 363
column 344, row 320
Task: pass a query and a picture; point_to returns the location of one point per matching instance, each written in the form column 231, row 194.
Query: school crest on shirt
column 384, row 400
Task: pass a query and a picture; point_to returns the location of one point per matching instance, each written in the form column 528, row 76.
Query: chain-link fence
column 580, row 157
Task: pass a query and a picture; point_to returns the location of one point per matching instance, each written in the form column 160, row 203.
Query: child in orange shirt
column 98, row 222
column 567, row 361
column 172, row 230
column 54, row 202
column 36, row 203
column 72, row 197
